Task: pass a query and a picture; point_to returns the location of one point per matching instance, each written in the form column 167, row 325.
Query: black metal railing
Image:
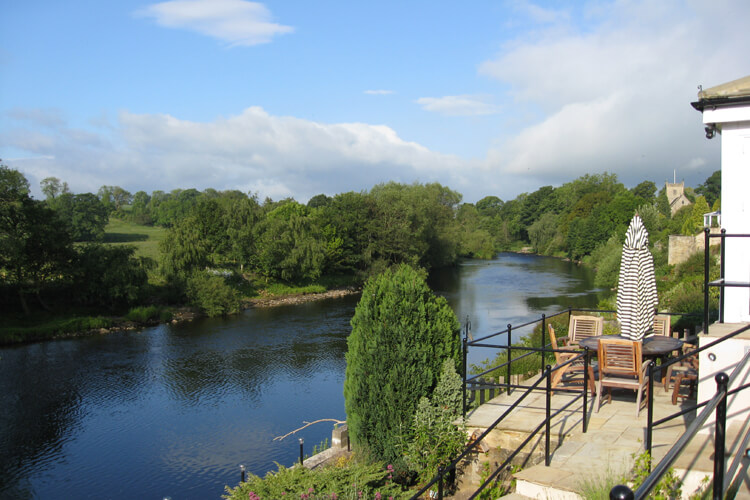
column 545, row 424
column 721, row 283
column 716, row 404
column 544, row 347
column 480, row 385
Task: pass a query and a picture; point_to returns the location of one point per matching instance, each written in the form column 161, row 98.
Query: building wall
column 734, row 123
column 725, row 357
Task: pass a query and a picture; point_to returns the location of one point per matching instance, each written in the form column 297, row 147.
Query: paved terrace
column 614, row 436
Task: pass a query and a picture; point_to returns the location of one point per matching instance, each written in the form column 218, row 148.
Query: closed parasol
column 636, row 286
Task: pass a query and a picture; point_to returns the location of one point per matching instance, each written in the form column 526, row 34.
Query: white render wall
column 735, row 203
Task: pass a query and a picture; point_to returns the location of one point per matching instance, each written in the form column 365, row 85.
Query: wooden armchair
column 581, row 327
column 662, row 326
column 575, row 369
column 621, row 366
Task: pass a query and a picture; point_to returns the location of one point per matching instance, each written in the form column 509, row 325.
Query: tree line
column 55, row 242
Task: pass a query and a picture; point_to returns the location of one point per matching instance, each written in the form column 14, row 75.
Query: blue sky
column 297, row 98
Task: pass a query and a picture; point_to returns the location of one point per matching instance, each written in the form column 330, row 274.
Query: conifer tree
column 401, row 335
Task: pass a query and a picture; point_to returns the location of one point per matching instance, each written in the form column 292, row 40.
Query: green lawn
column 145, row 239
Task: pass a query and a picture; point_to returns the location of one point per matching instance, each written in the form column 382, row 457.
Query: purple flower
column 378, row 496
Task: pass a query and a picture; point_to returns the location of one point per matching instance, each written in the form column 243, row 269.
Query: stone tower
column 676, row 196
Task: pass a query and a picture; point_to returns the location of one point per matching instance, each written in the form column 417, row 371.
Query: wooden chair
column 575, row 368
column 685, row 370
column 662, row 326
column 581, row 327
column 621, row 366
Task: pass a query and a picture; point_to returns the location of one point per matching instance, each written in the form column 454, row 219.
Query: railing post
column 466, row 347
column 242, row 473
column 650, row 413
column 440, row 482
column 301, row 451
column 544, row 341
column 707, row 232
column 585, row 387
column 507, row 380
column 621, row 492
column 721, row 275
column 721, row 421
column 549, row 411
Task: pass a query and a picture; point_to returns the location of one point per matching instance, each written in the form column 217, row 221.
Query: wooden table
column 656, row 346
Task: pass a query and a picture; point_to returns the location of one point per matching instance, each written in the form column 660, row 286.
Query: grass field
column 145, row 239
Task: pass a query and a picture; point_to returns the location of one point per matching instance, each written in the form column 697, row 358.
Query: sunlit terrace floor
column 615, row 435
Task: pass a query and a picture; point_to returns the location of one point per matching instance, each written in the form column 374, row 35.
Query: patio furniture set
column 620, row 359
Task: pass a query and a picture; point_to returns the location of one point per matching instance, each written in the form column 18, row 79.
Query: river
column 173, row 410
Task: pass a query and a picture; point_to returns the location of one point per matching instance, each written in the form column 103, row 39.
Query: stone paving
column 615, row 436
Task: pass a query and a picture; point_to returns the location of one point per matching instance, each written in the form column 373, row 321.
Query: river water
column 173, row 410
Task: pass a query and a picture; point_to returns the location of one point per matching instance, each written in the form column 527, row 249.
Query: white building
column 726, row 110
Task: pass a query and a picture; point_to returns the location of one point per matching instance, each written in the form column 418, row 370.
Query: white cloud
column 615, row 95
column 252, row 151
column 379, row 92
column 458, row 105
column 236, row 22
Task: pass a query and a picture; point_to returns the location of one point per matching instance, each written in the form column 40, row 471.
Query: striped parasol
column 636, row 286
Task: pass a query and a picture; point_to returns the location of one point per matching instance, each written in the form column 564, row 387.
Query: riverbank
column 63, row 328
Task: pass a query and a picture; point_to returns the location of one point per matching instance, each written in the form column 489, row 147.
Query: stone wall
column 682, row 247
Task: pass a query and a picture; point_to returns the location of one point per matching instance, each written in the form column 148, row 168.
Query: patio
column 608, row 448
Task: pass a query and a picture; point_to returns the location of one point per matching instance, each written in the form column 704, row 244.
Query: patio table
column 657, row 346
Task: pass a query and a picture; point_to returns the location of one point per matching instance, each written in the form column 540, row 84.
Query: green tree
column 289, row 245
column 211, row 294
column 108, row 276
column 53, row 187
column 542, row 232
column 490, row 206
column 645, row 190
column 694, row 223
column 711, row 188
column 36, row 246
column 85, row 215
column 401, row 335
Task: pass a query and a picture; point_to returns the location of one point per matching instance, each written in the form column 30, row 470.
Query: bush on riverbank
column 148, row 314
column 51, row 329
column 349, row 481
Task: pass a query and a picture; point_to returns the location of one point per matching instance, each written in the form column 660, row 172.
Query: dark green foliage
column 490, row 206
column 108, row 276
column 401, row 335
column 211, row 294
column 711, row 188
column 36, row 247
column 52, row 329
column 646, row 191
column 289, row 246
column 85, row 215
column 437, row 439
column 319, row 200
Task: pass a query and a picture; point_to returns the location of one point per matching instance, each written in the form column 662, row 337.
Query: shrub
column 212, row 295
column 401, row 334
column 144, row 314
column 437, row 440
column 353, row 481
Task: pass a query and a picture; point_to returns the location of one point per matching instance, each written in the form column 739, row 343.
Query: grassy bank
column 145, row 239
